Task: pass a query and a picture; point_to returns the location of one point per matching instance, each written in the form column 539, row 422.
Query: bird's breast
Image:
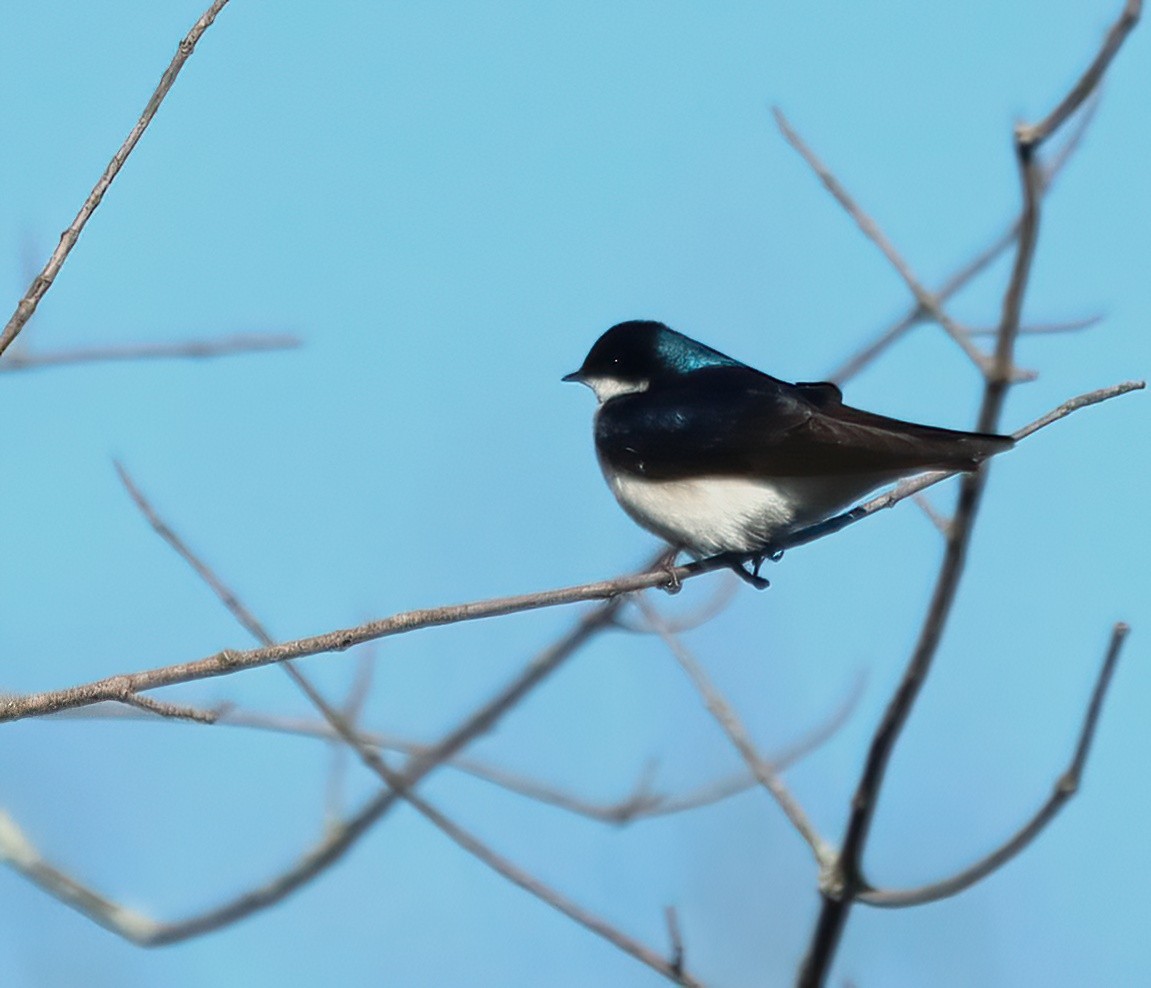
column 705, row 515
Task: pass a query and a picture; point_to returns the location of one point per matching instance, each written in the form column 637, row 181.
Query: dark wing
column 736, row 421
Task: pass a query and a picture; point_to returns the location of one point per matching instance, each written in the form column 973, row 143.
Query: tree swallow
column 718, row 458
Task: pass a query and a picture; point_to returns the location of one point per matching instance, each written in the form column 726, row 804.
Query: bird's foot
column 666, row 564
column 747, row 567
column 738, row 563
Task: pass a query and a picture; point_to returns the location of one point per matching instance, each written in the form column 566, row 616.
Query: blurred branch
column 399, row 783
column 352, row 710
column 724, row 593
column 43, row 281
column 1035, row 134
column 966, row 273
column 338, row 839
column 171, row 711
column 116, row 688
column 941, row 522
column 1045, row 328
column 21, row 855
column 218, row 347
column 675, row 938
column 1065, row 789
column 766, row 773
column 642, row 801
column 927, row 302
column 503, row 866
column 842, row 886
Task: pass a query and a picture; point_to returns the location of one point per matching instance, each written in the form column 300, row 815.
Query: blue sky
column 449, row 202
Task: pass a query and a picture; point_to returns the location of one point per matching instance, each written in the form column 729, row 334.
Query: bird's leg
column 767, row 552
column 737, row 563
column 666, row 562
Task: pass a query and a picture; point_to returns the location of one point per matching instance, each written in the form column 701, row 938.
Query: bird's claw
column 666, row 563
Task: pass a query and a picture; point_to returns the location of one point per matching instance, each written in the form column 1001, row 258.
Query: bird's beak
column 576, row 376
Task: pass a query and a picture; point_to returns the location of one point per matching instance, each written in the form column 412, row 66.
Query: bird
column 721, row 460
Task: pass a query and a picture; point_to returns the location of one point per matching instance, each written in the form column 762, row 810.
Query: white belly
column 706, row 515
column 709, row 515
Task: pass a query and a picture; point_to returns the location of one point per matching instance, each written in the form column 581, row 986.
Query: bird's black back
column 736, row 421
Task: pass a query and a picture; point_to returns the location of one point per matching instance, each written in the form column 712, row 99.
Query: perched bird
column 717, row 458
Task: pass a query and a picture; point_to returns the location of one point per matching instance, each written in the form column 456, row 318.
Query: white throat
column 611, row 387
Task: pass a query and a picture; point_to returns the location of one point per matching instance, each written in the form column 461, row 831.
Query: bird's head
column 631, row 356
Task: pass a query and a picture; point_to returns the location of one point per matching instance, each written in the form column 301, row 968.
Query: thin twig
column 18, row 852
column 338, row 839
column 928, row 303
column 1045, row 328
column 230, row 661
column 642, row 801
column 396, row 783
column 675, row 938
column 766, row 773
column 967, row 272
column 219, row 347
column 1065, row 789
column 352, row 709
column 43, row 281
column 842, row 885
column 941, row 522
column 162, row 708
column 1036, row 134
column 725, row 591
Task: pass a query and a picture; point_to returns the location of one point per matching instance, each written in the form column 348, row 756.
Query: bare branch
column 941, row 522
column 19, row 853
column 928, row 303
column 675, row 936
column 1065, row 789
column 502, row 865
column 640, row 803
column 974, row 267
column 171, row 710
column 219, row 347
column 1074, row 404
column 43, row 281
column 215, row 584
column 338, row 839
column 1045, row 328
column 352, row 709
column 1035, row 134
column 845, row 882
column 230, row 661
column 766, row 773
column 724, row 594
column 398, row 783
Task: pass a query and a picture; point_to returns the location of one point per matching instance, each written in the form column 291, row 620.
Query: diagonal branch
column 43, row 281
column 641, row 803
column 218, row 347
column 1088, row 84
column 765, row 772
column 116, row 688
column 927, row 302
column 338, row 838
column 845, row 884
column 396, row 783
column 974, row 267
column 1065, row 789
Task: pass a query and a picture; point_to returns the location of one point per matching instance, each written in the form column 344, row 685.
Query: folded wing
column 735, row 421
